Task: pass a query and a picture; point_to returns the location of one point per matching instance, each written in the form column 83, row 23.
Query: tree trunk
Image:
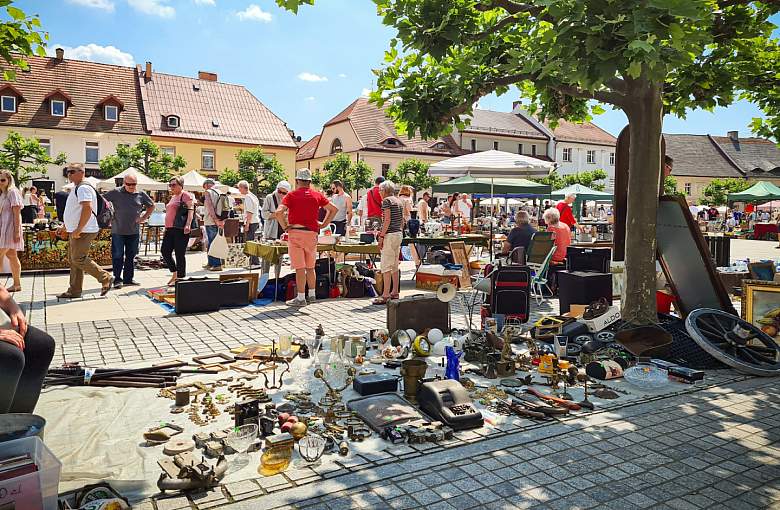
column 645, row 116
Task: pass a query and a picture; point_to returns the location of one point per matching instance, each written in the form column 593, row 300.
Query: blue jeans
column 211, row 233
column 124, row 248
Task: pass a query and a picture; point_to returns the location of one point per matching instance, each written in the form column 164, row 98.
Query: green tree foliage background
column 414, row 173
column 354, row 175
column 25, row 158
column 146, row 157
column 20, row 37
column 589, row 179
column 717, row 191
column 260, row 170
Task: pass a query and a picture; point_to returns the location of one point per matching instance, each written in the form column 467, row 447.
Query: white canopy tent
column 193, row 181
column 144, row 182
column 492, row 164
column 93, row 181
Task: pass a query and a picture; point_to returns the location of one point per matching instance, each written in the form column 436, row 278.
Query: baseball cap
column 303, row 174
column 208, row 181
column 283, row 185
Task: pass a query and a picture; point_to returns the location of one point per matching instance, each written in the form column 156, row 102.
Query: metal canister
column 182, row 397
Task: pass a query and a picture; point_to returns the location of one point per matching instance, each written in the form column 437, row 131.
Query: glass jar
column 274, row 460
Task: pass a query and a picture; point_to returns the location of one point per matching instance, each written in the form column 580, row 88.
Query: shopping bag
column 219, row 246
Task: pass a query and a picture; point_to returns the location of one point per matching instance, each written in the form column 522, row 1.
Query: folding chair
column 539, row 278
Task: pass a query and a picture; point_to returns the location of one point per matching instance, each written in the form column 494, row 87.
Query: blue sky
column 306, row 68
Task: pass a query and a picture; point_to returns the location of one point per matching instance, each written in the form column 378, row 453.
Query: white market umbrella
column 144, row 181
column 491, row 164
column 92, row 181
column 193, row 181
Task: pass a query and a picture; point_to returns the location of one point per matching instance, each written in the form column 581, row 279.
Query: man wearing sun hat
column 302, row 207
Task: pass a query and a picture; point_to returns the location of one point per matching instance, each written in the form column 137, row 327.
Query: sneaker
column 132, row 283
column 68, row 295
column 215, row 268
column 310, row 300
column 297, row 302
column 206, row 267
column 117, row 284
column 107, row 286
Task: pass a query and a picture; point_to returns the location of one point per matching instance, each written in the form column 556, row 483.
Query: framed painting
column 761, row 306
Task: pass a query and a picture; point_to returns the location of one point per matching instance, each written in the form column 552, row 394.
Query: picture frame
column 760, row 304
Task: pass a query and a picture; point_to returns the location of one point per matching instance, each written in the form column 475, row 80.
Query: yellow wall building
column 208, row 122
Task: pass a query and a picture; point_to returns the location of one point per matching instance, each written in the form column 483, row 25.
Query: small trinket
column 343, row 449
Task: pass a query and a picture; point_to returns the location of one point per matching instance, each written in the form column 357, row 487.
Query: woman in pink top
column 179, row 212
column 11, row 227
column 561, row 234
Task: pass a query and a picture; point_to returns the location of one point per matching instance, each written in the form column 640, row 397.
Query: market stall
column 45, row 249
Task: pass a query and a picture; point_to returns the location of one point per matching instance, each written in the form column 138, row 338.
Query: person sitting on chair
column 520, row 235
column 561, row 233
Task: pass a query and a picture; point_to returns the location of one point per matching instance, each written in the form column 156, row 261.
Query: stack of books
column 17, row 491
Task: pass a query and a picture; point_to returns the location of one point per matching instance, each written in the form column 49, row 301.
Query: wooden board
column 460, row 256
column 254, row 280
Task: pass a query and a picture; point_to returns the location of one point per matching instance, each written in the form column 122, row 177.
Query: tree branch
column 508, row 5
column 495, row 28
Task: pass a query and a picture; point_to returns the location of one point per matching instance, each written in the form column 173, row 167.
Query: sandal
column 395, row 296
column 14, row 288
column 380, row 301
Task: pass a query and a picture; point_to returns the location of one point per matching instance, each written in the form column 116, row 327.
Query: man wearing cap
column 302, row 207
column 374, row 206
column 271, row 228
column 212, row 222
column 81, row 224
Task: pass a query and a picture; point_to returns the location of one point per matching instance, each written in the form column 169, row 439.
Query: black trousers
column 22, row 372
column 341, row 227
column 175, row 242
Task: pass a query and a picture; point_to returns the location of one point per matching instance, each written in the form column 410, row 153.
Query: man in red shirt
column 565, row 210
column 297, row 214
column 374, row 206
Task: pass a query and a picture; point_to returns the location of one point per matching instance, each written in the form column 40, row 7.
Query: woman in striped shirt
column 390, row 238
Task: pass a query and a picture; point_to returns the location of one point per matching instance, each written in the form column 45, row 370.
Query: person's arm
column 149, row 208
column 330, row 213
column 18, row 320
column 190, row 212
column 281, row 217
column 210, row 208
column 349, row 210
column 17, row 214
column 265, row 211
column 385, row 225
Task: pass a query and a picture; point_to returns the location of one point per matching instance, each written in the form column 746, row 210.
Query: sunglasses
column 132, row 184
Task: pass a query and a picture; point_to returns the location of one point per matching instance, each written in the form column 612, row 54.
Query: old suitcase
column 253, row 278
column 511, row 292
column 418, row 312
column 322, row 289
column 197, row 295
column 234, row 293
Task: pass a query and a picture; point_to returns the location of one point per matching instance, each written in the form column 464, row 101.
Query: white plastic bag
column 219, row 247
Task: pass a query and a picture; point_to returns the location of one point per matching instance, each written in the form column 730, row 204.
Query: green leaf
column 15, row 13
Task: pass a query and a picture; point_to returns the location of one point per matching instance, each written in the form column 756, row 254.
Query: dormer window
column 57, row 108
column 440, row 146
column 336, row 147
column 392, row 142
column 172, row 121
column 8, row 104
column 111, row 113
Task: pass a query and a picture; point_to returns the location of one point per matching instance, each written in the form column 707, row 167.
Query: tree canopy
column 412, row 172
column 567, row 58
column 588, row 178
column 146, row 157
column 20, row 37
column 260, row 170
column 354, row 174
column 25, row 158
column 717, row 191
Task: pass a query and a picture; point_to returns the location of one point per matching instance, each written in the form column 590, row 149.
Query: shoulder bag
column 181, row 216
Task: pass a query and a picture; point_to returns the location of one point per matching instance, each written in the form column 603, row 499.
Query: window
column 111, row 113
column 45, row 143
column 385, row 169
column 172, row 121
column 612, row 159
column 533, row 149
column 9, row 104
column 495, row 146
column 519, row 148
column 440, row 146
column 207, row 159
column 591, row 157
column 392, row 142
column 567, row 154
column 91, row 152
column 473, row 145
column 171, row 151
column 336, row 146
column 57, row 108
column 687, row 187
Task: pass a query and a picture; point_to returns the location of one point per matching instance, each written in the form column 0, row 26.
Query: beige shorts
column 391, row 249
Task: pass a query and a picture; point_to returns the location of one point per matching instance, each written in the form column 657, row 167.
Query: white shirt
column 464, row 208
column 252, row 206
column 87, row 196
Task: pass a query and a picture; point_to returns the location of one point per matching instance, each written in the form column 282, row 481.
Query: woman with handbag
column 11, row 227
column 179, row 219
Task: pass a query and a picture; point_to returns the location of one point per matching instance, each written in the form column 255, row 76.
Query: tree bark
column 645, row 116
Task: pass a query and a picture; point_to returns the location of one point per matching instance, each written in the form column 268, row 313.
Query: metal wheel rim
column 605, row 336
column 712, row 330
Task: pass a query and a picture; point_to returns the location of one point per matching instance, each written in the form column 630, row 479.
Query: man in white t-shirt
column 80, row 220
column 464, row 207
column 251, row 216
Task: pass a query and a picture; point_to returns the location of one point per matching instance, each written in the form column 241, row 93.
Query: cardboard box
column 432, row 281
column 601, row 322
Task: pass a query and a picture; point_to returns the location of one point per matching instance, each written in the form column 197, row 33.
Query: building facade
column 207, row 122
column 698, row 159
column 81, row 109
column 366, row 133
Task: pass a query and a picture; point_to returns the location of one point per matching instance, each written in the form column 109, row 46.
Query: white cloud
column 365, row 92
column 106, row 5
column 342, row 75
column 153, row 7
column 96, row 53
column 310, row 98
column 306, row 76
column 205, row 2
column 254, row 13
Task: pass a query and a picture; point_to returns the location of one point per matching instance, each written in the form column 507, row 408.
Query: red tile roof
column 200, row 104
column 587, row 132
column 373, row 127
column 306, row 151
column 84, row 84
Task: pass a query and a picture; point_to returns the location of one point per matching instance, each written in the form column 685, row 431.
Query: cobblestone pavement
column 715, row 446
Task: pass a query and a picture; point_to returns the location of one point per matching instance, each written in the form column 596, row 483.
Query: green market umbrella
column 487, row 186
column 583, row 193
column 760, row 191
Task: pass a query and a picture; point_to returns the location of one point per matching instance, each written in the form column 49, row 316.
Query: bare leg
column 311, row 278
column 16, row 268
column 300, row 280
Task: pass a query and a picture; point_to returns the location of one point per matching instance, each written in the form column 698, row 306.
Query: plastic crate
column 34, row 490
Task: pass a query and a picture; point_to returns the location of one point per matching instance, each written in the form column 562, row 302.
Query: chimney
column 60, row 54
column 148, row 71
column 516, row 105
column 733, row 136
column 207, row 76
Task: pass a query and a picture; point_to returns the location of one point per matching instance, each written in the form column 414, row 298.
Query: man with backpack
column 81, row 222
column 217, row 209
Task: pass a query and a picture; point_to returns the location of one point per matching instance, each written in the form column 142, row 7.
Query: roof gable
column 698, row 156
column 306, row 151
column 83, row 84
column 586, row 132
column 210, row 110
column 750, row 153
column 502, row 123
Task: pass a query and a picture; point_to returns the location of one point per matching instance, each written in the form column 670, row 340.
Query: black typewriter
column 448, row 402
